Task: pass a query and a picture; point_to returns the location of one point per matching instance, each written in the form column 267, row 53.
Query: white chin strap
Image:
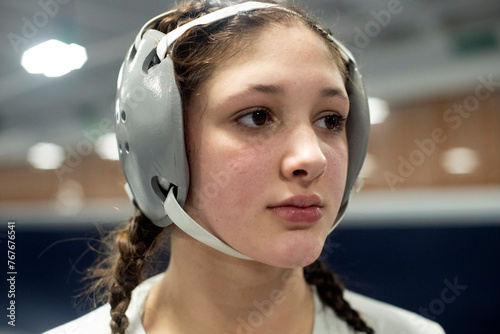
column 181, row 219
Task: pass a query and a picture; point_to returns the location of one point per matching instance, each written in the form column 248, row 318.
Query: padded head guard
column 149, row 126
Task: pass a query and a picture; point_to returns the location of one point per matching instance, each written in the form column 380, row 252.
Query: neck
column 206, row 291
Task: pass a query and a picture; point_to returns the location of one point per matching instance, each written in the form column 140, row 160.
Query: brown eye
column 331, row 122
column 259, row 117
column 255, row 118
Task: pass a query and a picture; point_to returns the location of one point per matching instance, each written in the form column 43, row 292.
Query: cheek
column 226, row 177
column 247, row 169
column 337, row 161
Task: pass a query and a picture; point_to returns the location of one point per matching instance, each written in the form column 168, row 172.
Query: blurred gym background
column 423, row 229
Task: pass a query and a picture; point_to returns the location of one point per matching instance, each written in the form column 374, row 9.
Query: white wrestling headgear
column 149, row 126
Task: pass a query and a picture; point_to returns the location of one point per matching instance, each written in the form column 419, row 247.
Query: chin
column 294, row 251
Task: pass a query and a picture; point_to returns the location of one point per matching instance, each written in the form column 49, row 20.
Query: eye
column 256, row 118
column 331, row 122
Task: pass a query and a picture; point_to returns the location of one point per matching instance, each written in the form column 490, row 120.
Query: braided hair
column 134, row 244
column 331, row 293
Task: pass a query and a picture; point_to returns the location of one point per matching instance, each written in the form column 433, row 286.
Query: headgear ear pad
column 149, row 129
column 149, row 123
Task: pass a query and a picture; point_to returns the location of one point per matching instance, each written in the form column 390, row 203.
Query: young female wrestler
column 242, row 127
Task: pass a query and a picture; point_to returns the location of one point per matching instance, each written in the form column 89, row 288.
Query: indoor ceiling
column 420, row 50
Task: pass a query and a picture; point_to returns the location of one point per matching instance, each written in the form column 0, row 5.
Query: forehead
column 280, row 51
column 279, row 39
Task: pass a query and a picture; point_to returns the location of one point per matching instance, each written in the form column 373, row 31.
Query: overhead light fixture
column 106, row 147
column 370, row 165
column 460, row 160
column 54, row 58
column 70, row 198
column 379, row 110
column 46, row 156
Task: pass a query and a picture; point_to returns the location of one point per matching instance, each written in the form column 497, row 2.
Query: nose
column 304, row 160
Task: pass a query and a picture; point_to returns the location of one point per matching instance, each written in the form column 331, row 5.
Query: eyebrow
column 268, row 89
column 259, row 88
column 333, row 92
column 279, row 90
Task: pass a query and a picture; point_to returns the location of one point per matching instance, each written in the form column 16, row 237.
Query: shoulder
column 382, row 317
column 385, row 318
column 96, row 322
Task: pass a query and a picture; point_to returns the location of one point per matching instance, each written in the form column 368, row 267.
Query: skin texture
column 266, row 127
column 238, row 171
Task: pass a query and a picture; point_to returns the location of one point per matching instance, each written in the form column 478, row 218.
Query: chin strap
column 182, row 220
column 340, row 215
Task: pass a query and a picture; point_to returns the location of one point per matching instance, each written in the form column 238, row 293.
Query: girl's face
column 267, row 148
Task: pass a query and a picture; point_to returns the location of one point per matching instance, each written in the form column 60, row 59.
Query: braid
column 330, row 291
column 134, row 244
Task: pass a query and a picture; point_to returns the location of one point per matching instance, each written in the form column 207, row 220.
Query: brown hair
column 200, row 53
column 123, row 257
column 196, row 56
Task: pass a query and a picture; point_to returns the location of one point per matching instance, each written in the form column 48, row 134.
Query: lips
column 299, row 209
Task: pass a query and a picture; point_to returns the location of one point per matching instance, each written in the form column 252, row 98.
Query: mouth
column 299, row 209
